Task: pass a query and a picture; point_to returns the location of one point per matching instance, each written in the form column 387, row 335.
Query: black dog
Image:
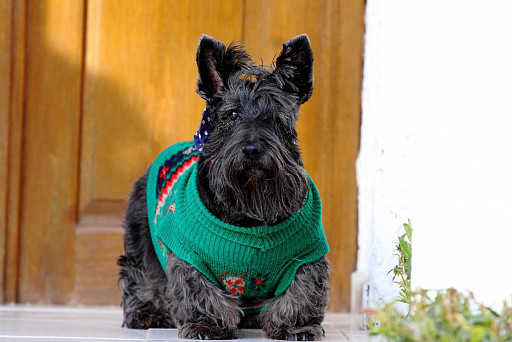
column 226, row 233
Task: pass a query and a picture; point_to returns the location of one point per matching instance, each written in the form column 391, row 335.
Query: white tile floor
column 63, row 324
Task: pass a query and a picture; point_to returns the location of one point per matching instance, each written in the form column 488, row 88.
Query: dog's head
column 251, row 166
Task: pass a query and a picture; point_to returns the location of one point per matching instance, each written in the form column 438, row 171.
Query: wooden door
column 93, row 90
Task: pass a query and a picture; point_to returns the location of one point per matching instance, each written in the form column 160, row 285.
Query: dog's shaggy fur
column 257, row 178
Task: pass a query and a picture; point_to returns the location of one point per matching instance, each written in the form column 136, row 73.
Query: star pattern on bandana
column 203, row 132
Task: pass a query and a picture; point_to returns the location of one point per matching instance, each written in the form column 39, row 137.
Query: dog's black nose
column 252, row 151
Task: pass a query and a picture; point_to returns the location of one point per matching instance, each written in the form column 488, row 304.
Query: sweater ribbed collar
column 262, row 237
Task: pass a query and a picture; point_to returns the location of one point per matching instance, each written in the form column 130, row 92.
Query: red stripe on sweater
column 176, row 175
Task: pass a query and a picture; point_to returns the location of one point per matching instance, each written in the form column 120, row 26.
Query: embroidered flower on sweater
column 234, row 285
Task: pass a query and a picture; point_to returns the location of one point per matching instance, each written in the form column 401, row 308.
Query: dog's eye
column 233, row 115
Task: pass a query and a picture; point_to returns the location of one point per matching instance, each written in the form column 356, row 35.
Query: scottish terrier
column 224, row 232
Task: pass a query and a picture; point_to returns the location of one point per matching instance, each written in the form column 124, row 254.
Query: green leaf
column 408, row 230
column 406, row 247
column 495, row 314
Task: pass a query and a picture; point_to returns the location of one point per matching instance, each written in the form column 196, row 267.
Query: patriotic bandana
column 204, row 130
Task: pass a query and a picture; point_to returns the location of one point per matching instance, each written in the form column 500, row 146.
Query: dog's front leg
column 297, row 314
column 200, row 309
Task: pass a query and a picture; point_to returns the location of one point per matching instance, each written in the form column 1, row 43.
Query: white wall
column 436, row 145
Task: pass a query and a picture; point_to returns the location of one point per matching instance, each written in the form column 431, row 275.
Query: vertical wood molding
column 5, row 85
column 13, row 158
column 50, row 152
column 347, row 60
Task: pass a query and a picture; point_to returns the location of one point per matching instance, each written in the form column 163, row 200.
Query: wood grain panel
column 50, row 158
column 5, row 84
column 140, row 85
column 139, row 97
column 97, row 250
column 329, row 124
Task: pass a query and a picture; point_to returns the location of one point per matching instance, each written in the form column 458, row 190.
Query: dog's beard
column 267, row 191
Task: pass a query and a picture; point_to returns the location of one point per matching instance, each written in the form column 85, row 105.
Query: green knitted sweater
column 253, row 262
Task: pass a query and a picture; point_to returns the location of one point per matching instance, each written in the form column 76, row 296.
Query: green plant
column 447, row 316
column 403, row 269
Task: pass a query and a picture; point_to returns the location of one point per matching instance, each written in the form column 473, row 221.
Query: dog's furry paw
column 145, row 320
column 204, row 331
column 309, row 333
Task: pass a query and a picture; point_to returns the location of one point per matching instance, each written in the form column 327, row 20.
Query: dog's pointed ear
column 216, row 63
column 209, row 58
column 294, row 68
